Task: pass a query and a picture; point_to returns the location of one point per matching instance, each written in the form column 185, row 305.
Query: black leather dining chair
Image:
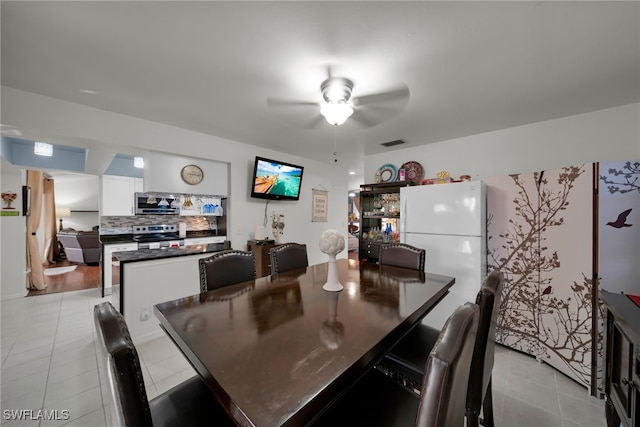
column 226, row 268
column 402, row 255
column 190, row 403
column 378, row 401
column 287, row 257
column 410, row 353
column 480, row 394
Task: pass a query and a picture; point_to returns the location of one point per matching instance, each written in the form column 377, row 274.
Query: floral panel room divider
column 618, row 268
column 540, row 235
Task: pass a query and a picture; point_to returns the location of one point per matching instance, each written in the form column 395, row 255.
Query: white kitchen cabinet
column 118, row 195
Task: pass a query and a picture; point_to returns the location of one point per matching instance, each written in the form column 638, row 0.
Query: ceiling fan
column 338, row 105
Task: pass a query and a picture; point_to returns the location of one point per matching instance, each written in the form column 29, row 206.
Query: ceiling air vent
column 392, row 143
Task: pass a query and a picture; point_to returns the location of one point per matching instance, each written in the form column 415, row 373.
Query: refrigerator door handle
column 403, row 214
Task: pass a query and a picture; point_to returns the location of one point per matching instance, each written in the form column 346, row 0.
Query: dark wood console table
column 261, row 252
column 622, row 360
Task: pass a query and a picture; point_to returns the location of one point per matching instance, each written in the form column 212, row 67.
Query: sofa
column 82, row 247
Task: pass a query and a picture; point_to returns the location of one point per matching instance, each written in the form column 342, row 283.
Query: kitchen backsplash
column 124, row 224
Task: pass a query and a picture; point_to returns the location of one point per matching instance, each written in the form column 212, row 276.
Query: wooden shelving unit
column 377, row 209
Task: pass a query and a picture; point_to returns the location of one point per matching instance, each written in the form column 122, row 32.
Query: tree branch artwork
column 623, row 180
column 533, row 319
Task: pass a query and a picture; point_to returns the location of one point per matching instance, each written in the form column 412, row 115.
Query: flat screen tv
column 275, row 180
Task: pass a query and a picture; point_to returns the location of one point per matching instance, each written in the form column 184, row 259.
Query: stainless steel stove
column 156, row 236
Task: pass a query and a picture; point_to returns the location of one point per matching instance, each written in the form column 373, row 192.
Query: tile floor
column 49, row 362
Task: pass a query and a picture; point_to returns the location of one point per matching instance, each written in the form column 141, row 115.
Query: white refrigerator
column 449, row 222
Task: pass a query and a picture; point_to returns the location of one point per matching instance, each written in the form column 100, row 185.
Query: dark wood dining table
column 278, row 350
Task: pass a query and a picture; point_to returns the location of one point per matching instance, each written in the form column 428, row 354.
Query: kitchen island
column 112, row 243
column 152, row 276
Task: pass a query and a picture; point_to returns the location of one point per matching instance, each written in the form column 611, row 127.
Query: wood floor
column 83, row 277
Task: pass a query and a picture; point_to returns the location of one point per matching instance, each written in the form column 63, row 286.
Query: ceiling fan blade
column 374, row 114
column 399, row 93
column 363, row 120
column 280, row 102
column 314, row 123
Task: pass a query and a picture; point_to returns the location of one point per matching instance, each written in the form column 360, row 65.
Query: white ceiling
column 210, row 66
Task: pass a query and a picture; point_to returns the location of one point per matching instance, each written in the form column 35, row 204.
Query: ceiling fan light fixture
column 336, row 113
column 336, row 89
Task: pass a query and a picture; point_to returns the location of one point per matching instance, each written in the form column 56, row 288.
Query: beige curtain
column 35, row 277
column 51, row 252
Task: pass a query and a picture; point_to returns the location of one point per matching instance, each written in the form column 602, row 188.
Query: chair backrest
column 402, row 255
column 444, row 388
column 488, row 299
column 226, row 268
column 120, row 369
column 289, row 256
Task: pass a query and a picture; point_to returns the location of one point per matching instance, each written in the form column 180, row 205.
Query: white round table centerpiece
column 332, row 243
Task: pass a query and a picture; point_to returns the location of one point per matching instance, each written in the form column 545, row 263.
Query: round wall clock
column 192, row 174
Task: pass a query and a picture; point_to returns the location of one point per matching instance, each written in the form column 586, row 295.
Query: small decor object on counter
column 332, row 243
column 430, row 181
column 192, row 174
column 443, row 176
column 465, row 177
column 8, row 197
column 277, row 226
column 402, row 174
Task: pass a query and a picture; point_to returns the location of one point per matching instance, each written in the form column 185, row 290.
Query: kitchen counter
column 153, row 276
column 150, row 254
column 123, row 238
column 112, row 243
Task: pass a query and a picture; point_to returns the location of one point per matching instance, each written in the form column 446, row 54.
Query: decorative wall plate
column 414, row 172
column 388, row 173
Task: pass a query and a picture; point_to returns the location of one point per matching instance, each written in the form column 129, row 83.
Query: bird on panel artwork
column 621, row 221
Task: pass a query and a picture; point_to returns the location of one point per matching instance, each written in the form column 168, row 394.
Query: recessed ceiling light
column 43, row 149
column 352, row 173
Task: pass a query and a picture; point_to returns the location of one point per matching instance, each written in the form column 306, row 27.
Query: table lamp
column 62, row 213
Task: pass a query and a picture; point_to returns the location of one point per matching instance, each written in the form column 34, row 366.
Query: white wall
column 162, row 174
column 80, row 193
column 611, row 134
column 63, row 122
column 13, row 236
